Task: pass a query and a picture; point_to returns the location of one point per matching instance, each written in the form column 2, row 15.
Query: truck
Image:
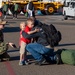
column 47, row 7
column 69, row 9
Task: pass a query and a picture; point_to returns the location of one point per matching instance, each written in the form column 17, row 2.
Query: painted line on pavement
column 9, row 68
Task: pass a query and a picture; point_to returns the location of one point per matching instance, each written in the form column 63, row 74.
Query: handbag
column 26, row 14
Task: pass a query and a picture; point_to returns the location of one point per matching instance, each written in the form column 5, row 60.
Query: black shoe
column 57, row 59
column 40, row 62
column 5, row 57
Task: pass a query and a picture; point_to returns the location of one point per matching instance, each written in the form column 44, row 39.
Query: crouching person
column 3, row 45
column 38, row 51
column 42, row 51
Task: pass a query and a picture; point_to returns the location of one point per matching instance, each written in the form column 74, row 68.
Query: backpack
column 30, row 6
column 3, row 47
column 53, row 36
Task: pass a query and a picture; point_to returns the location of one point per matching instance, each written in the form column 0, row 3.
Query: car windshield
column 73, row 4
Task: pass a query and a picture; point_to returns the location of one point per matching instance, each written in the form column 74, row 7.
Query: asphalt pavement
column 11, row 34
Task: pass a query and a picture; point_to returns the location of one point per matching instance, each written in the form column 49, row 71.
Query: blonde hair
column 30, row 20
column 22, row 23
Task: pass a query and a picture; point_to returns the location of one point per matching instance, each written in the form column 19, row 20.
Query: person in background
column 30, row 9
column 2, row 25
column 15, row 10
column 5, row 9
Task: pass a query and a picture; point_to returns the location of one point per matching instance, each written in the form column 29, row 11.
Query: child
column 24, row 41
column 22, row 49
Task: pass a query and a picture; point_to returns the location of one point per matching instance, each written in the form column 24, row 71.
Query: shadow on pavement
column 15, row 58
column 13, row 51
column 67, row 44
column 29, row 57
column 11, row 29
column 19, row 18
column 11, row 22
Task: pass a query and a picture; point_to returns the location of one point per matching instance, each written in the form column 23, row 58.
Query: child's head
column 30, row 23
column 22, row 25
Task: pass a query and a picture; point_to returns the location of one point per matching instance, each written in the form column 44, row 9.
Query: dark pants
column 15, row 14
column 4, row 13
column 33, row 13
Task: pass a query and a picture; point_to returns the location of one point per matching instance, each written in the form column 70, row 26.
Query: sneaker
column 40, row 62
column 57, row 59
column 13, row 17
column 21, row 63
column 26, row 63
column 4, row 17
